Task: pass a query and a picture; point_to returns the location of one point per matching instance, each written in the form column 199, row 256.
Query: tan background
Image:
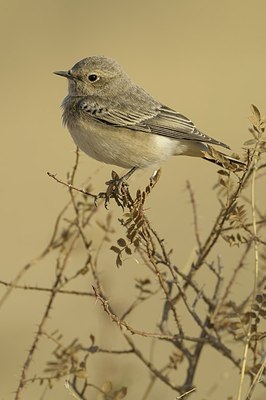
column 204, row 58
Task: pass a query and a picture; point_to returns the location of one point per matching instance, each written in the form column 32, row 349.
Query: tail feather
column 223, row 160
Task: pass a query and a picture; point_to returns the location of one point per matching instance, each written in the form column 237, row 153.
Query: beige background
column 204, row 58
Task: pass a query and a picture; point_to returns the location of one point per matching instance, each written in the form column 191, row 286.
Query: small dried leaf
column 118, row 261
column 128, row 250
column 222, row 182
column 239, row 237
column 138, row 218
column 130, row 229
column 84, row 270
column 249, row 142
column 138, row 193
column 135, row 213
column 245, row 319
column 121, row 242
column 121, row 393
column 256, row 112
column 223, row 172
column 148, row 189
column 132, row 235
column 255, row 307
column 114, row 175
column 107, row 387
column 143, row 282
column 251, row 314
column 127, row 221
column 136, row 242
column 115, row 249
column 262, row 313
column 235, row 325
column 127, row 215
column 140, row 223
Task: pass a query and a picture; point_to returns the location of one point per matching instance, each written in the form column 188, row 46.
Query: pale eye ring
column 93, row 77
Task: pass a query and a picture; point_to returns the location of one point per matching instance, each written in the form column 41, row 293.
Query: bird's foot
column 117, row 188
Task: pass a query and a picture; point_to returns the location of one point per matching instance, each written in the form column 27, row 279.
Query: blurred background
column 206, row 59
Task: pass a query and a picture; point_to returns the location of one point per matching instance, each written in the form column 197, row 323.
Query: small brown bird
column 117, row 122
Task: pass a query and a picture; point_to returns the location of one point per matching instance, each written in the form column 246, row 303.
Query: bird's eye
column 93, row 78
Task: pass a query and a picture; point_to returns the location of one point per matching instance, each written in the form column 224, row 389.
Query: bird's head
column 96, row 75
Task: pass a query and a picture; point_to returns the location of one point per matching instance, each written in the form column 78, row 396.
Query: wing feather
column 160, row 120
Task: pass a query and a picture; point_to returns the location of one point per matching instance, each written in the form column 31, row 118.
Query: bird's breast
column 119, row 146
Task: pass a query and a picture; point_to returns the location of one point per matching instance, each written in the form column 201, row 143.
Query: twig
column 124, row 324
column 150, row 366
column 69, row 387
column 256, row 380
column 69, row 186
column 256, row 252
column 46, row 313
column 195, row 215
column 186, row 393
column 43, row 289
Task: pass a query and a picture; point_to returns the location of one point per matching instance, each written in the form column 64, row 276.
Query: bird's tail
column 223, row 160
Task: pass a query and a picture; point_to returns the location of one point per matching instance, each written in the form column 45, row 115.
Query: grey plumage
column 115, row 121
column 161, row 120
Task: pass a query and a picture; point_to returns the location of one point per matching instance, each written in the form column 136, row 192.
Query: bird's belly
column 123, row 147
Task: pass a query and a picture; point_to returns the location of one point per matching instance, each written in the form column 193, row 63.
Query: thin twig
column 69, row 186
column 256, row 258
column 195, row 215
column 46, row 313
column 49, row 290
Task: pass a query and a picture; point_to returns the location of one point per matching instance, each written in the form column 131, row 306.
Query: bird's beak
column 65, row 74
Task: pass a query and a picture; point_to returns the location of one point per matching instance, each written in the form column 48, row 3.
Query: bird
column 115, row 121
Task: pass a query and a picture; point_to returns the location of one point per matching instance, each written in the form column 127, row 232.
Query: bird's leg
column 129, row 173
column 118, row 182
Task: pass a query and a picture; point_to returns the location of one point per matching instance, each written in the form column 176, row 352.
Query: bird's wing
column 161, row 121
column 174, row 125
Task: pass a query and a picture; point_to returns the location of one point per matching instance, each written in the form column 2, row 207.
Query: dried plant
column 231, row 326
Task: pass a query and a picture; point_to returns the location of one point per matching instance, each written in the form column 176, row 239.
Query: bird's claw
column 116, row 188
